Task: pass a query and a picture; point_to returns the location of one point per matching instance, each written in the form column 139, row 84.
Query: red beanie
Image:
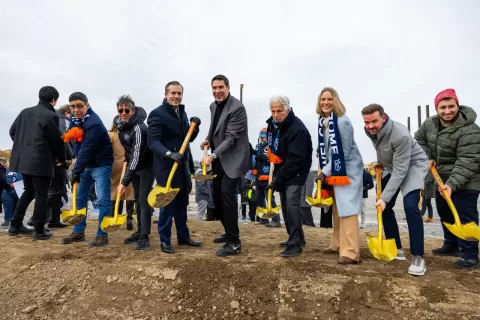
column 445, row 94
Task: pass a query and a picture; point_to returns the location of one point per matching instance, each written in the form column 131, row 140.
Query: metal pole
column 428, row 111
column 408, row 123
column 241, row 92
column 419, row 116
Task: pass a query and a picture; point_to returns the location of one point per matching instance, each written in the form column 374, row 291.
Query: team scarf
column 273, row 140
column 264, row 167
column 338, row 175
column 75, row 133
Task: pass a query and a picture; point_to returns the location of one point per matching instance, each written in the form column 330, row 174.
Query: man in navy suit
column 167, row 128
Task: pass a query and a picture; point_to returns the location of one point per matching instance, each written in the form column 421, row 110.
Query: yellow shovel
column 318, row 202
column 74, row 216
column 204, row 176
column 161, row 196
column 111, row 224
column 384, row 250
column 269, row 212
column 469, row 231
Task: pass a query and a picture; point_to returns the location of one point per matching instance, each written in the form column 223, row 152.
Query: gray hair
column 281, row 99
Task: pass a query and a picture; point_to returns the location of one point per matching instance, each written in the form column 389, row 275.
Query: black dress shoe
column 229, row 249
column 221, row 239
column 58, row 224
column 167, row 248
column 22, row 231
column 142, row 244
column 133, row 238
column 285, row 244
column 291, row 251
column 45, row 235
column 190, row 242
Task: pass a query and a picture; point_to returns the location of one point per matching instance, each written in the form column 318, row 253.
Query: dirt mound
column 47, row 280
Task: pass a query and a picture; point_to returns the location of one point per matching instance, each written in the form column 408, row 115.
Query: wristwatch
column 214, row 155
column 168, row 153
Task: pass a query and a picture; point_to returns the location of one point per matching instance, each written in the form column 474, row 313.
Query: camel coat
column 118, row 156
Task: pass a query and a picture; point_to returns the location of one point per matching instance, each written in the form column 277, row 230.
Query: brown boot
column 347, row 260
column 100, row 241
column 329, row 251
column 74, row 237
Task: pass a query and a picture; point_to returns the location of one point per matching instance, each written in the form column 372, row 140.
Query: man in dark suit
column 230, row 159
column 37, row 143
column 167, row 128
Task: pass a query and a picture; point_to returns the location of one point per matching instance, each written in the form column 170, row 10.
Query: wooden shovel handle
column 270, row 175
column 204, row 165
column 185, row 143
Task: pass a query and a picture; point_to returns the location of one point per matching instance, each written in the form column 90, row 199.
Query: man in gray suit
column 230, row 159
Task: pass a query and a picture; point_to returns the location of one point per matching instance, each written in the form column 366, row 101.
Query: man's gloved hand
column 196, row 120
column 273, row 185
column 175, row 156
column 75, row 178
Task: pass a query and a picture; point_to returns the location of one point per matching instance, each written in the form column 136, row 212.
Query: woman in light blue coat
column 342, row 172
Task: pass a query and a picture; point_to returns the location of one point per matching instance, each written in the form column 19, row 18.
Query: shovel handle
column 440, row 183
column 204, row 165
column 74, row 191
column 185, row 143
column 378, row 178
column 319, row 185
column 117, row 201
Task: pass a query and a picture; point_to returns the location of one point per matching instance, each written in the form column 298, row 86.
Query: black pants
column 226, row 203
column 326, row 218
column 251, row 210
column 142, row 185
column 54, row 204
column 307, row 217
column 466, row 203
column 292, row 214
column 427, row 204
column 130, row 207
column 35, row 187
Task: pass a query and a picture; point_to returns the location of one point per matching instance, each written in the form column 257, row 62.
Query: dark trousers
column 226, row 203
column 251, row 210
column 130, row 207
column 292, row 214
column 35, row 187
column 210, row 214
column 54, row 204
column 142, row 185
column 414, row 220
column 326, row 218
column 307, row 217
column 427, row 204
column 465, row 202
column 177, row 209
column 261, row 194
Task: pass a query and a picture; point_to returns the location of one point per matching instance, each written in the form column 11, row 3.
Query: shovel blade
column 468, row 232
column 72, row 218
column 110, row 224
column 161, row 196
column 204, row 177
column 320, row 203
column 385, row 250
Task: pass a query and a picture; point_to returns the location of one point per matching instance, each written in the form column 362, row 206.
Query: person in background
column 129, row 196
column 3, row 173
column 428, row 195
column 367, row 185
column 9, row 195
column 37, row 146
column 93, row 150
column 307, row 190
column 203, row 196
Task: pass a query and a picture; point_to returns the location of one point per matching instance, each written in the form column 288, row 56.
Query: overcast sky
column 399, row 54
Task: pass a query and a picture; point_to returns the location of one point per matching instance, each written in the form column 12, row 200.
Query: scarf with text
column 273, row 141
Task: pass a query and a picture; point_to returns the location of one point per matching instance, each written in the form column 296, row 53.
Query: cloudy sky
column 396, row 53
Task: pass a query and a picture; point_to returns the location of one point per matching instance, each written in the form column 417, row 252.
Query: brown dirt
column 48, row 280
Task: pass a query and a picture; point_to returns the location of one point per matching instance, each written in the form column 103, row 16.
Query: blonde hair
column 338, row 107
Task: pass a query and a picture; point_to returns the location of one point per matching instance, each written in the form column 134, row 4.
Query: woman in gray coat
column 342, row 172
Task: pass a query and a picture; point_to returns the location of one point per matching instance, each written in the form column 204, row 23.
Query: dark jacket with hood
column 455, row 149
column 166, row 132
column 262, row 165
column 295, row 147
column 96, row 148
column 37, row 141
column 367, row 182
column 133, row 136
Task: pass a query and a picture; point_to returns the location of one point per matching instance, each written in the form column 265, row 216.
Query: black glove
column 75, row 178
column 273, row 185
column 175, row 156
column 196, row 120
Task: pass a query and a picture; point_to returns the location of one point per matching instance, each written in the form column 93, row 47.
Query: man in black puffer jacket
column 132, row 132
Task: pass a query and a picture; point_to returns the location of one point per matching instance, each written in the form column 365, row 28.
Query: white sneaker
column 400, row 255
column 417, row 267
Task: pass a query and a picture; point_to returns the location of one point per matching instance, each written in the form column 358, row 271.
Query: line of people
column 446, row 140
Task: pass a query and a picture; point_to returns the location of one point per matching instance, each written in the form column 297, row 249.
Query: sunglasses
column 126, row 111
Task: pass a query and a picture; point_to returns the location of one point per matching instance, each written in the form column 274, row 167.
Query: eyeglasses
column 126, row 111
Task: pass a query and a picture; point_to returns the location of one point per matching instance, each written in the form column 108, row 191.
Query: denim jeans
column 9, row 199
column 100, row 177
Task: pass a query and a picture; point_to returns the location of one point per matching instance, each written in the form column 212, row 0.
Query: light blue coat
column 348, row 197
